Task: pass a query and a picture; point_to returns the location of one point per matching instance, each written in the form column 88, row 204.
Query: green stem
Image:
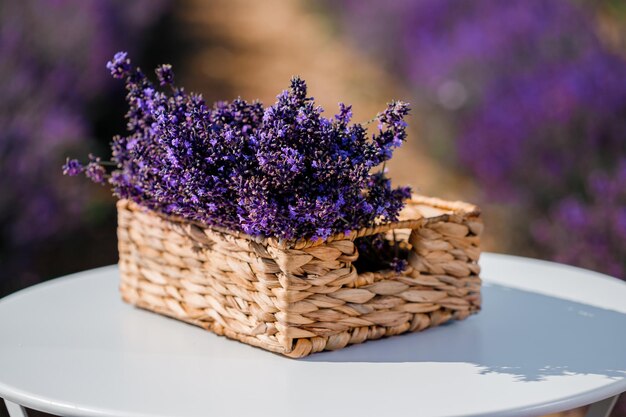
column 108, row 163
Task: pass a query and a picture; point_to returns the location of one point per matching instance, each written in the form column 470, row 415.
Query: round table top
column 550, row 338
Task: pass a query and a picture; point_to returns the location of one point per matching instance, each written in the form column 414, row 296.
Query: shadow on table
column 528, row 335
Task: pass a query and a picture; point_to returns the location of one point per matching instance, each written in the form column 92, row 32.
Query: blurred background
column 519, row 107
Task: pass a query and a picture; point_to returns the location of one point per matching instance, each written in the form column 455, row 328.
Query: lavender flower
column 398, row 264
column 96, row 172
column 284, row 171
column 72, row 167
column 120, row 65
column 165, row 75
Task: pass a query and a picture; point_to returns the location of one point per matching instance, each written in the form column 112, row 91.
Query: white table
column 550, row 338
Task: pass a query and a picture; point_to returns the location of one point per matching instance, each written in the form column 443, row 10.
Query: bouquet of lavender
column 283, row 171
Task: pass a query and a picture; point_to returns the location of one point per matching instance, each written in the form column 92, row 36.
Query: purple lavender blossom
column 398, row 264
column 72, row 167
column 283, row 171
column 96, row 172
column 165, row 75
column 119, row 65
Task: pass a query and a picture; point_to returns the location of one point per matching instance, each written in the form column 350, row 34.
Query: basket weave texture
column 300, row 297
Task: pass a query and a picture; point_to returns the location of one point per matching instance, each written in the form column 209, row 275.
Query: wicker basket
column 301, row 297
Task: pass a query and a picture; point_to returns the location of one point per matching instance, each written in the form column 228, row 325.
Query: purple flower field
column 53, row 78
column 538, row 102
